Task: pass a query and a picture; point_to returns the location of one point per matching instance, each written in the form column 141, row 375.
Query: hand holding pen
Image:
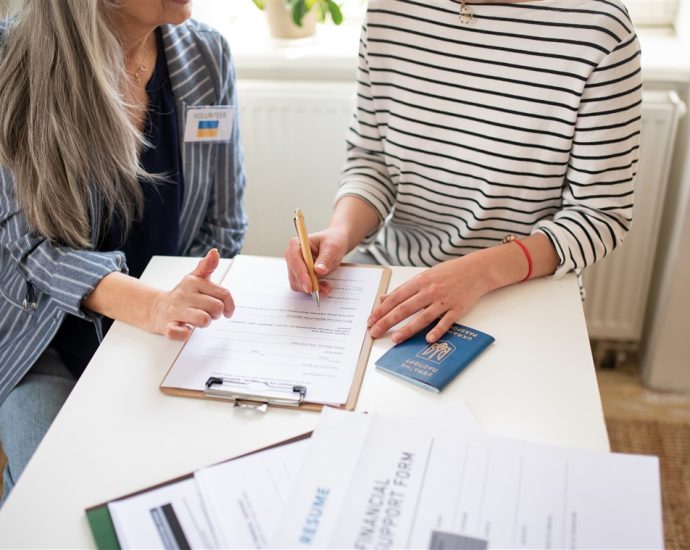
column 328, row 246
column 303, row 236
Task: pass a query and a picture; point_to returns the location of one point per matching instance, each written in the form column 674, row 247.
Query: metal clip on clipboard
column 232, row 390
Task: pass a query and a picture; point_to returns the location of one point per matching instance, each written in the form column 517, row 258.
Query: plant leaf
column 336, row 14
column 259, row 4
column 299, row 8
column 321, row 11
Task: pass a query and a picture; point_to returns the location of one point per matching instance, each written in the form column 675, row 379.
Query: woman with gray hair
column 117, row 142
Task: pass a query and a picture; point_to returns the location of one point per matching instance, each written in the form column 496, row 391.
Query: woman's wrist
column 154, row 300
column 483, row 270
column 513, row 262
column 354, row 219
column 500, row 266
column 124, row 298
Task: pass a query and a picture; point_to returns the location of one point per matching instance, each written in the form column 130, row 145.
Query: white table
column 117, row 433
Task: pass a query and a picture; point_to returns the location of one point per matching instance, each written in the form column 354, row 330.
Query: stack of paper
column 235, row 504
column 427, row 481
column 402, row 485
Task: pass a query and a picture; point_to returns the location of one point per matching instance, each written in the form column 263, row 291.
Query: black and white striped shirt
column 525, row 119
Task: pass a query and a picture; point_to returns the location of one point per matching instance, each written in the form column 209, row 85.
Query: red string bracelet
column 528, row 256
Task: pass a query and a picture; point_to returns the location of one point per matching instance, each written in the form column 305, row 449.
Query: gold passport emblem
column 437, row 352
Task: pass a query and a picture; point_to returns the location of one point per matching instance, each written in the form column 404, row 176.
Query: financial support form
column 278, row 339
column 372, row 481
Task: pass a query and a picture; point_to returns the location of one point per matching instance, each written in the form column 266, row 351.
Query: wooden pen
column 303, row 236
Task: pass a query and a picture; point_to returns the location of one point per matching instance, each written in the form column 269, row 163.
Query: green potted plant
column 298, row 18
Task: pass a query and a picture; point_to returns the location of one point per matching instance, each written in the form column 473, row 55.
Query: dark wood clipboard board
column 358, row 376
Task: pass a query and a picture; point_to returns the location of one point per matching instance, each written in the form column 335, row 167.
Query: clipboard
column 244, row 392
column 101, row 522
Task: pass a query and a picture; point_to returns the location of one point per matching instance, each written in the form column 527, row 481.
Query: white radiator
column 293, row 136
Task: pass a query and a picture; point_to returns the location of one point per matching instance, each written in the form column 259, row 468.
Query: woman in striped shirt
column 96, row 177
column 476, row 121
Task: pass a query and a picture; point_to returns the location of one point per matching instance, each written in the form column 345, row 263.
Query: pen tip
column 315, row 295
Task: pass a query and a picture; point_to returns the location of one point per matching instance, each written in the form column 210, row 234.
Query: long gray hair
column 64, row 122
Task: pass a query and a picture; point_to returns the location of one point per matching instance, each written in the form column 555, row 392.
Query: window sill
column 665, row 58
column 331, row 54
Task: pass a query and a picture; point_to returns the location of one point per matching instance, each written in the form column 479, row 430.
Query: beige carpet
column 670, row 441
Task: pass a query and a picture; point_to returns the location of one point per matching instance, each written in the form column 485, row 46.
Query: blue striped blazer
column 40, row 282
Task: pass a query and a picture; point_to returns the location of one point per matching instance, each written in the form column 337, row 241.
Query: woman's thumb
column 208, row 264
column 327, row 260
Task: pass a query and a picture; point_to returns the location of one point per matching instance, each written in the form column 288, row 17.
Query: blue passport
column 433, row 366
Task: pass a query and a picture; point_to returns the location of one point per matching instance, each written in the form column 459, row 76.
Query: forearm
column 124, row 298
column 447, row 291
column 355, row 218
column 194, row 302
column 507, row 264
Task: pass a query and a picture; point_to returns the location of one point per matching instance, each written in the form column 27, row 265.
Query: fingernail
column 396, row 338
column 306, row 288
column 376, row 332
column 320, row 266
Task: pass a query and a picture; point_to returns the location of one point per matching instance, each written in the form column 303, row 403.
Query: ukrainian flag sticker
column 208, row 123
column 207, row 128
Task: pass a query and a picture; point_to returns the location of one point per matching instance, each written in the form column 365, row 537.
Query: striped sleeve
column 225, row 221
column 365, row 174
column 597, row 197
column 65, row 274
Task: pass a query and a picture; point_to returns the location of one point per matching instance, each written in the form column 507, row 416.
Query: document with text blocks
column 279, row 347
column 372, row 481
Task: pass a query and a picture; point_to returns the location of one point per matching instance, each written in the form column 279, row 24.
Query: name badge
column 208, row 123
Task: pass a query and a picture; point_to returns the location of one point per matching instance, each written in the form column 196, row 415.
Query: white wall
column 683, row 21
column 666, row 357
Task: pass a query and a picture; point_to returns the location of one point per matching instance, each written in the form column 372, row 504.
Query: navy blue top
column 157, row 232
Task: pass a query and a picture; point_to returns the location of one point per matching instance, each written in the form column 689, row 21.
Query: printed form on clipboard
column 279, row 348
